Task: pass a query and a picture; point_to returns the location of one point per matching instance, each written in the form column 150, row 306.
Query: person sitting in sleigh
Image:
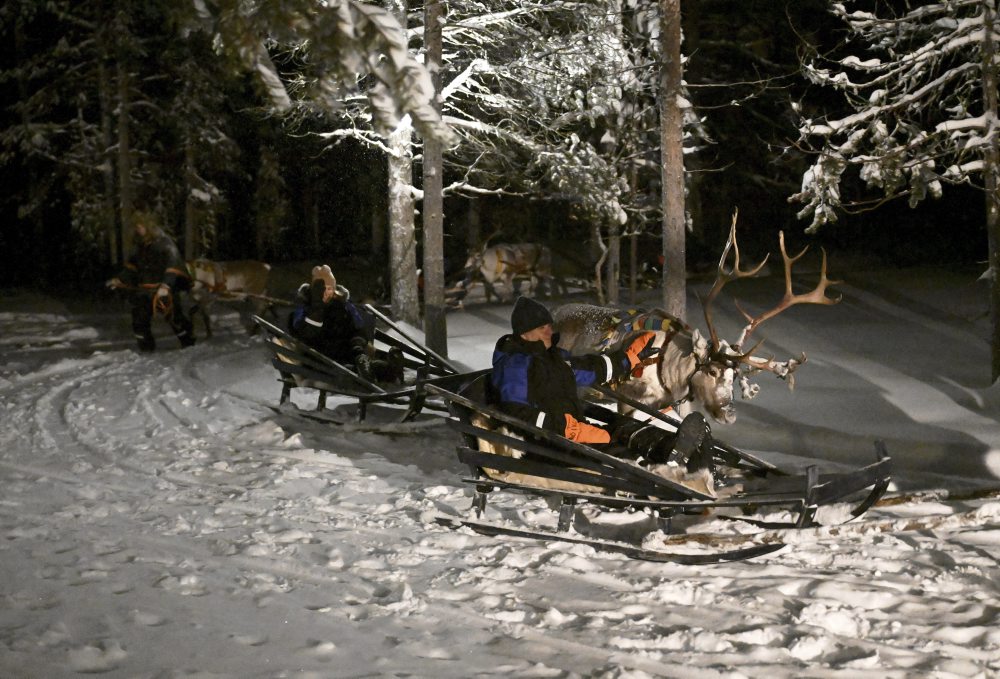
column 331, row 324
column 536, row 381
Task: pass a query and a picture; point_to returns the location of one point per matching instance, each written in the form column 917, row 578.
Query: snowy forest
column 208, row 508
column 301, row 131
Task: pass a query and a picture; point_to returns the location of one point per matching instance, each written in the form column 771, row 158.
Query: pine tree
column 923, row 89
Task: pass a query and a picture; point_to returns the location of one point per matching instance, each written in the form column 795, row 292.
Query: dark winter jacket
column 540, row 385
column 337, row 328
column 155, row 261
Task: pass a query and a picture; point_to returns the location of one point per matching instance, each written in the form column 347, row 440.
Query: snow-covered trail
column 911, row 371
column 157, row 519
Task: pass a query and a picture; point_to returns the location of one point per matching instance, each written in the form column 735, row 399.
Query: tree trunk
column 402, row 238
column 125, row 206
column 633, row 250
column 633, row 266
column 435, row 322
column 34, row 252
column 310, row 209
column 614, row 262
column 378, row 227
column 991, row 168
column 672, row 160
column 473, row 225
column 108, row 166
column 190, row 209
column 599, row 265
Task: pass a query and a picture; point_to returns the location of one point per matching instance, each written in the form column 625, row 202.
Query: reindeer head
column 711, row 383
column 685, row 370
column 477, row 254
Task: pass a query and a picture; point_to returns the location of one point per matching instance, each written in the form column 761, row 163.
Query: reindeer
column 243, row 282
column 509, row 262
column 688, row 366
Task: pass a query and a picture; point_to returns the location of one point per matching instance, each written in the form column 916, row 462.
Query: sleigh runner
column 507, row 454
column 302, row 367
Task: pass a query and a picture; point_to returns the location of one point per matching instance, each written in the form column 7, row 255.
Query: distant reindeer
column 239, row 282
column 689, row 367
column 510, row 263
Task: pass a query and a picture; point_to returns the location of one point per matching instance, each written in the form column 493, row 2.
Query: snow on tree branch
column 346, row 39
column 917, row 99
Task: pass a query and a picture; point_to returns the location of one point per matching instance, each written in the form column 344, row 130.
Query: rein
column 162, row 306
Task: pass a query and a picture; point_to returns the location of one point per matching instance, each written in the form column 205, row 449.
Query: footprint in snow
column 104, row 656
column 323, row 650
column 51, row 572
column 44, row 603
column 105, row 548
column 56, row 635
column 187, row 585
column 148, row 619
column 250, row 639
column 121, row 588
column 88, row 575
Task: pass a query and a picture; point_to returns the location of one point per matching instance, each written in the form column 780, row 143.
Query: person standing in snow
column 536, row 381
column 331, row 324
column 156, row 278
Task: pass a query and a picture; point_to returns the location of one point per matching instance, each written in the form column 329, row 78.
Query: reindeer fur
column 683, row 371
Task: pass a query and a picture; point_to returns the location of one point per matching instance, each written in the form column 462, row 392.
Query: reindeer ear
column 699, row 344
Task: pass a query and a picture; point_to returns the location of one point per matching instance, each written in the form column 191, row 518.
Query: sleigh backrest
column 480, row 391
column 305, row 367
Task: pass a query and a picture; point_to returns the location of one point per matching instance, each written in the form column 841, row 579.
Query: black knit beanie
column 528, row 315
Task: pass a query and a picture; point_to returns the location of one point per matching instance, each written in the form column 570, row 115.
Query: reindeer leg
column 489, row 291
column 514, row 286
column 246, row 310
column 200, row 309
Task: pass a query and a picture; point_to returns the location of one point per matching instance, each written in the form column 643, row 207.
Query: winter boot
column 364, row 367
column 691, row 434
column 186, row 339
column 647, row 442
column 623, row 428
column 147, row 343
column 397, row 365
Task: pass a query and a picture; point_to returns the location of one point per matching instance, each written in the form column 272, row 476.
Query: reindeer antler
column 723, row 276
column 815, row 296
column 782, row 369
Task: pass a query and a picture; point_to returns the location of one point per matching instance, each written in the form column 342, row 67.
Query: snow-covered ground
column 158, row 519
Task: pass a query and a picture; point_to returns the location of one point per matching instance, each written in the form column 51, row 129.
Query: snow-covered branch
column 914, row 95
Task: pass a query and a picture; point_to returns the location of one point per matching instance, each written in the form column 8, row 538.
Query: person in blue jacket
column 536, row 381
column 331, row 324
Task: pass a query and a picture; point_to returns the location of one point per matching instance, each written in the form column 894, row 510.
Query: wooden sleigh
column 507, row 454
column 302, row 367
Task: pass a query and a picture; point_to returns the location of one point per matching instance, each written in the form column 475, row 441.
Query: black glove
column 316, row 292
column 359, row 346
